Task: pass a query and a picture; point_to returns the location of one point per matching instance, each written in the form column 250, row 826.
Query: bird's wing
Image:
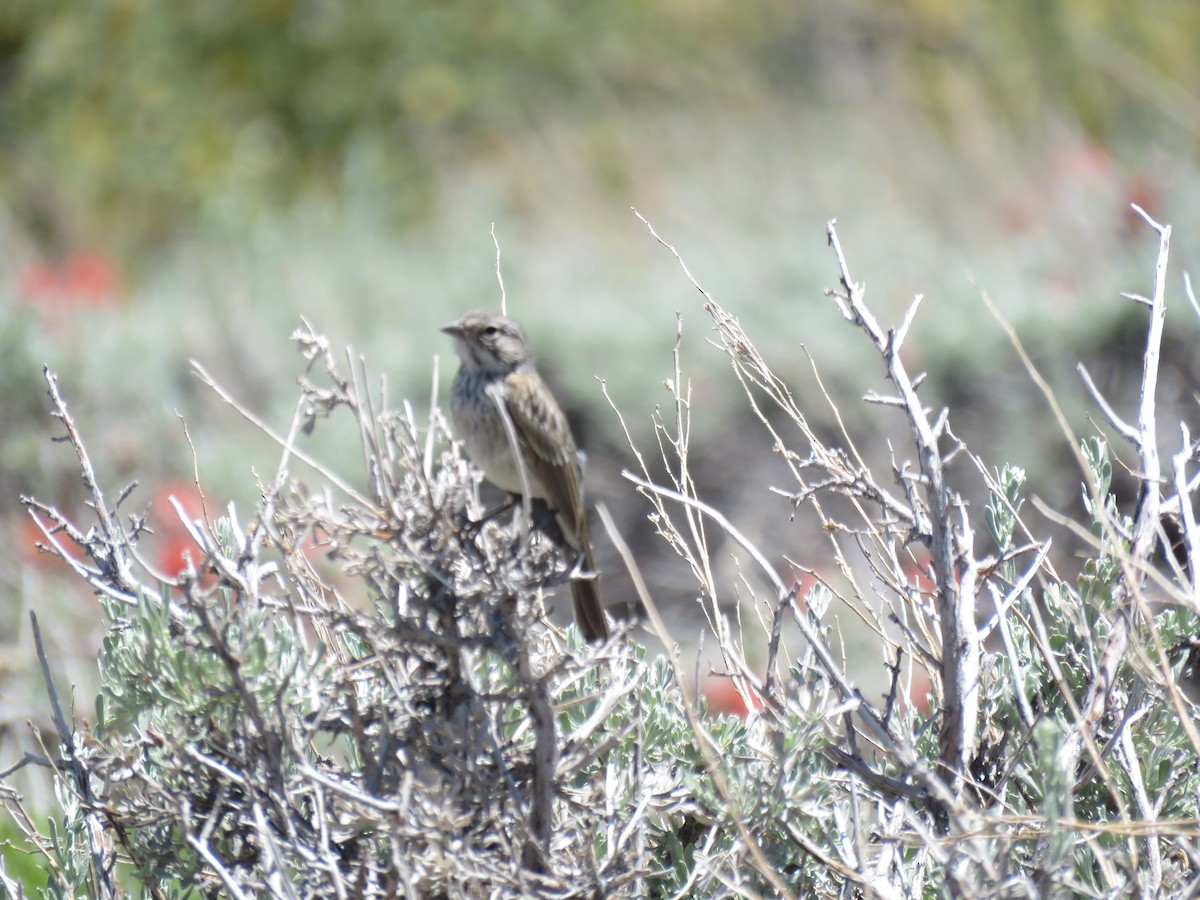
column 542, row 426
column 549, row 451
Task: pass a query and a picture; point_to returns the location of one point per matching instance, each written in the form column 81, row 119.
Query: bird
column 500, row 404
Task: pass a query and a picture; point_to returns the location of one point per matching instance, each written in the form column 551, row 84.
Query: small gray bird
column 498, row 381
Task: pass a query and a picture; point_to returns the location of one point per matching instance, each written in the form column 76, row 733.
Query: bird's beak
column 454, row 329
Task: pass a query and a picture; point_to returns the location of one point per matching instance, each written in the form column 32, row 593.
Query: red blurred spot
column 723, row 699
column 1082, row 163
column 1143, row 190
column 173, row 542
column 186, row 495
column 916, row 567
column 173, row 554
column 918, row 692
column 802, row 581
column 85, row 278
column 1016, row 216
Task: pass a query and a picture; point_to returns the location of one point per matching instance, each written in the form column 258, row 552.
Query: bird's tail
column 589, row 612
column 585, row 591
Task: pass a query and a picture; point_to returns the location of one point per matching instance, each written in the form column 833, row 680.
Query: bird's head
column 488, row 342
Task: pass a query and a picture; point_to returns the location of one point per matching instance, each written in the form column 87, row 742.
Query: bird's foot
column 472, row 527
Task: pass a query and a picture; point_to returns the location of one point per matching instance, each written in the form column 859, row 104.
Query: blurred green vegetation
column 132, row 113
column 123, row 120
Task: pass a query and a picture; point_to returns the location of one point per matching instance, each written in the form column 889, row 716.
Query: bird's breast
column 475, row 406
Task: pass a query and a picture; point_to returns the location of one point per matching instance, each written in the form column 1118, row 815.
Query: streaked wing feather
column 543, row 427
column 553, row 459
